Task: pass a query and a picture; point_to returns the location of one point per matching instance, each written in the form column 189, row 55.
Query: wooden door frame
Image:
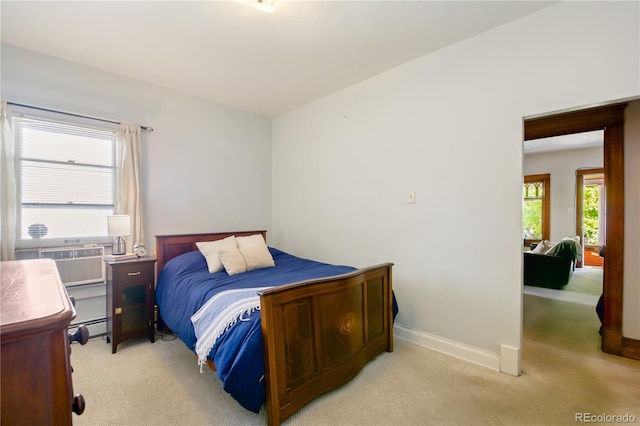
column 609, row 118
column 579, row 204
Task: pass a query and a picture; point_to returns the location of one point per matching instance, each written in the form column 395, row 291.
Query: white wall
column 206, row 167
column 448, row 125
column 562, row 166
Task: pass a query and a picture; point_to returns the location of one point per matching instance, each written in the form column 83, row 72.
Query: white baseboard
column 510, row 360
column 507, row 361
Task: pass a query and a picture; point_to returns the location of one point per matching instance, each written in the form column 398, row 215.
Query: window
column 65, row 172
column 535, row 208
column 593, row 206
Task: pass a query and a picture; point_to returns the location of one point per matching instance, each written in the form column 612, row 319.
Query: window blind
column 66, row 176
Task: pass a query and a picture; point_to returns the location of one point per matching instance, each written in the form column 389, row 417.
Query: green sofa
column 551, row 270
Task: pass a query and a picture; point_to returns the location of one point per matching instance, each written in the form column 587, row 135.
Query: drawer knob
column 78, row 404
column 133, row 274
column 81, row 335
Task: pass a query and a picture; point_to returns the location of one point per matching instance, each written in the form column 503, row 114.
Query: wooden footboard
column 318, row 334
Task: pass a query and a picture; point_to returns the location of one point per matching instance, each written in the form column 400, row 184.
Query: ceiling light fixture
column 263, row 5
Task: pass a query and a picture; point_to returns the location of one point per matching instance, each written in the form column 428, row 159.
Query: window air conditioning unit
column 77, row 265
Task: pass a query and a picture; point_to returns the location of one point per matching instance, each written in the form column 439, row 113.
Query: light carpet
column 584, row 287
column 564, row 373
column 586, row 280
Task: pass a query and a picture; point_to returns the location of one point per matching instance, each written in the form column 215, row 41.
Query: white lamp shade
column 119, row 225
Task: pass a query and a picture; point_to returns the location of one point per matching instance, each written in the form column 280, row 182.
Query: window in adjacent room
column 65, row 169
column 535, row 208
column 592, row 208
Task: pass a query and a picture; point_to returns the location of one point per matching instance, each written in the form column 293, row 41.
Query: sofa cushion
column 544, row 270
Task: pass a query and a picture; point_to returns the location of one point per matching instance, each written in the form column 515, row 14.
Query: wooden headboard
column 170, row 246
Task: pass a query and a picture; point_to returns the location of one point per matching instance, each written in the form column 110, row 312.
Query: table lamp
column 119, row 226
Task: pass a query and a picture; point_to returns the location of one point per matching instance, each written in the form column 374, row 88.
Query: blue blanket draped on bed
column 185, row 285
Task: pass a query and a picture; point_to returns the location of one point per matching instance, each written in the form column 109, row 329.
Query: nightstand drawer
column 134, row 272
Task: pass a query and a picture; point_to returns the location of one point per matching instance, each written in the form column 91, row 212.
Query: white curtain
column 128, row 200
column 8, row 202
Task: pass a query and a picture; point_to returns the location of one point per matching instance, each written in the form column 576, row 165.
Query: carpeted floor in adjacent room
column 584, row 287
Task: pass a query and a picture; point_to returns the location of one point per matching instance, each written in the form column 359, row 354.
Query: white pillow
column 257, row 257
column 251, row 240
column 211, row 251
column 551, row 247
column 233, row 262
column 539, row 248
column 255, row 251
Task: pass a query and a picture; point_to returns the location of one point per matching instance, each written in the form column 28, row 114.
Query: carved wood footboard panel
column 319, row 334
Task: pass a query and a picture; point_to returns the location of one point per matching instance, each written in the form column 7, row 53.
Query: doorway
column 590, row 216
column 610, row 119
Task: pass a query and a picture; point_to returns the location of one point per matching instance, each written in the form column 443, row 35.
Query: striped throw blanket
column 219, row 313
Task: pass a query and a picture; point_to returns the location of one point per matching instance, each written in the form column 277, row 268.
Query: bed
column 316, row 327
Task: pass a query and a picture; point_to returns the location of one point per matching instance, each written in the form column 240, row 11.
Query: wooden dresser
column 35, row 313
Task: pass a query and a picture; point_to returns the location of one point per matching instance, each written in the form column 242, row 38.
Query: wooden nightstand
column 130, row 299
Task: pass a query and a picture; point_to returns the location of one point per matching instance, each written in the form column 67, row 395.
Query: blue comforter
column 185, row 284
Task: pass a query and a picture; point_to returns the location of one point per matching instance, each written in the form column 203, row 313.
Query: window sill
column 62, row 242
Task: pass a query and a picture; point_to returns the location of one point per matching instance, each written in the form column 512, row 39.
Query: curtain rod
column 145, row 128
